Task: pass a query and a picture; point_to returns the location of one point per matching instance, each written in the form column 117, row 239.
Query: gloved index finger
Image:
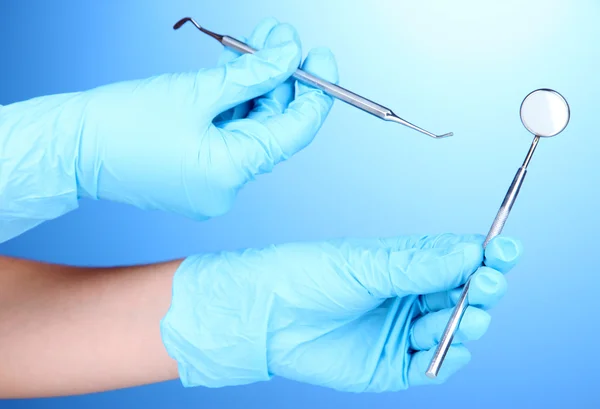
column 277, row 100
column 256, row 40
column 248, row 76
column 228, row 54
column 487, row 287
column 387, row 273
column 502, row 253
column 432, row 241
column 418, row 241
column 261, row 32
column 271, row 138
column 296, row 127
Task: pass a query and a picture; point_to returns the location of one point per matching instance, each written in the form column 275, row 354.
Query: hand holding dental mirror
column 544, row 113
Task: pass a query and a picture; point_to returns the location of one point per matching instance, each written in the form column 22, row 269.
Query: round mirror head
column 545, row 112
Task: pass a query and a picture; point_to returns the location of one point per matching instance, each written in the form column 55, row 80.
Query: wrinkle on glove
column 184, row 143
column 352, row 315
column 38, row 153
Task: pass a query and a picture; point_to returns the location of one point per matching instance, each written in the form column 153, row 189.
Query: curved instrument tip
column 181, row 22
column 446, row 135
column 184, row 20
column 390, row 116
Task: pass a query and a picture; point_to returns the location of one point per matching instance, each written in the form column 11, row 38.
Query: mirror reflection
column 545, row 112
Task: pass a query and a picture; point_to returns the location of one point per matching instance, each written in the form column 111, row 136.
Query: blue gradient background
column 461, row 66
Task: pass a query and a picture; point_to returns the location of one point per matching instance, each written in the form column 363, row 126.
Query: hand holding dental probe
column 330, row 89
column 545, row 113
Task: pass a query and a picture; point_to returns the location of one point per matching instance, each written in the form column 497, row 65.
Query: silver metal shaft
column 359, row 102
column 329, row 88
column 462, row 304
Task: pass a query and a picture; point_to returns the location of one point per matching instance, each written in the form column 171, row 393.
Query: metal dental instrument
column 545, row 113
column 331, row 89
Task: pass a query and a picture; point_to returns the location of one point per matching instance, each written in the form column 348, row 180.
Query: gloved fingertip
column 502, row 253
column 488, row 282
column 322, row 52
column 474, row 324
column 508, row 248
column 283, row 33
column 285, row 56
column 321, row 62
column 268, row 21
column 261, row 32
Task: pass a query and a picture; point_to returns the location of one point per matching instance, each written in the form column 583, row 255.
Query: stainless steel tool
column 545, row 113
column 333, row 90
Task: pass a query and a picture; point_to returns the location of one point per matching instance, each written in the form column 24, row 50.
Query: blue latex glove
column 353, row 315
column 183, row 143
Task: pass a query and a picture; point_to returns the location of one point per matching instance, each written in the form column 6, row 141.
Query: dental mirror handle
column 462, row 304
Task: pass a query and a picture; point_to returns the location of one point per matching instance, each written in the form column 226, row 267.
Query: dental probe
column 330, row 89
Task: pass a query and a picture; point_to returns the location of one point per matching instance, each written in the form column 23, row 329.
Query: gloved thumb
column 252, row 75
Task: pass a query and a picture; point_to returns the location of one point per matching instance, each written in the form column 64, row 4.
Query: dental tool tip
column 184, row 20
column 390, row 116
column 431, row 374
column 181, row 22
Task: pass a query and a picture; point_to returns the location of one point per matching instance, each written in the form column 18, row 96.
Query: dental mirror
column 545, row 113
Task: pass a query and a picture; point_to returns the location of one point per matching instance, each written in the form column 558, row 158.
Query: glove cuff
column 38, row 168
column 218, row 340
